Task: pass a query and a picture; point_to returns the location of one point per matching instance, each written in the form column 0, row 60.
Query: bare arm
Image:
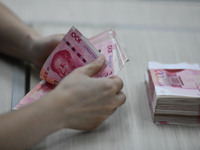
column 96, row 100
column 16, row 37
column 23, row 128
column 20, row 41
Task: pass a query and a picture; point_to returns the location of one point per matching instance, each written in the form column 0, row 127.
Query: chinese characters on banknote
column 174, row 93
column 75, row 51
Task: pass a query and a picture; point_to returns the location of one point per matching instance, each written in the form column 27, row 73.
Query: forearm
column 15, row 36
column 23, row 128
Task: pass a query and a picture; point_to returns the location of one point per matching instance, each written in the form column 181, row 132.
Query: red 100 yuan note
column 72, row 52
column 75, row 51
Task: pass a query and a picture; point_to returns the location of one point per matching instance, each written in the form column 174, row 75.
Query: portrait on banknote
column 62, row 63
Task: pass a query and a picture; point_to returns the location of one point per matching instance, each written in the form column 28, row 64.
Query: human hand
column 42, row 47
column 84, row 101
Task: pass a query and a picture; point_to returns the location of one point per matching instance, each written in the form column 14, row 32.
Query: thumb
column 94, row 67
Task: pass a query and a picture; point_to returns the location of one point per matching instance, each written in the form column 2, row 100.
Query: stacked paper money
column 75, row 51
column 174, row 93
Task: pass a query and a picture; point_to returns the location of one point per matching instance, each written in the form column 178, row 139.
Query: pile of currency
column 75, row 51
column 174, row 93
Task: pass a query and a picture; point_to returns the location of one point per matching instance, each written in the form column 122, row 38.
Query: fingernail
column 101, row 59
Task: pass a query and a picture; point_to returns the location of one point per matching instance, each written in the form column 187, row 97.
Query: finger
column 120, row 99
column 117, row 82
column 94, row 67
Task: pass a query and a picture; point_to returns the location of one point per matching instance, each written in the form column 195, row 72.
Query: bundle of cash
column 75, row 51
column 174, row 93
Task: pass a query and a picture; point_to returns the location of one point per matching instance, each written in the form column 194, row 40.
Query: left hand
column 42, row 48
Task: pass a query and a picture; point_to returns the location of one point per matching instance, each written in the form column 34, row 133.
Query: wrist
column 31, row 46
column 53, row 110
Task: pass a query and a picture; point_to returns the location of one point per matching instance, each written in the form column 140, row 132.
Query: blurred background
column 167, row 31
column 143, row 25
column 137, row 21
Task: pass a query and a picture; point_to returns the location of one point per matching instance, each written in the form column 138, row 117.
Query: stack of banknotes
column 75, row 51
column 174, row 93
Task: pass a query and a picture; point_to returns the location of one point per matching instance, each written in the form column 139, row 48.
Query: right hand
column 84, row 101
